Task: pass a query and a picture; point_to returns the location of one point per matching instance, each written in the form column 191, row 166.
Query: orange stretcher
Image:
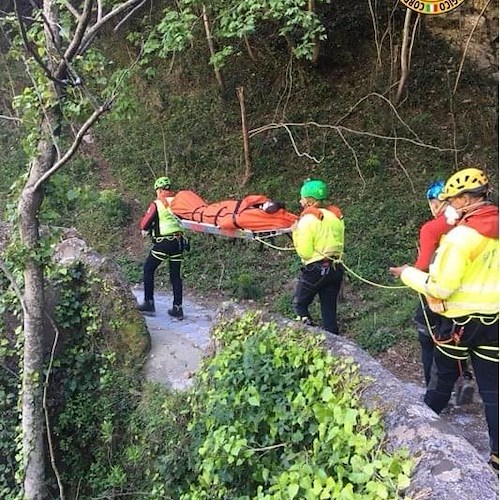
column 254, row 216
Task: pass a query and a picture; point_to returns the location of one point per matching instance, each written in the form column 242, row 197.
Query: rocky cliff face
column 472, row 28
column 122, row 327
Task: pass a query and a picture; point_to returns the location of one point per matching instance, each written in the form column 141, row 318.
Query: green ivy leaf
column 293, row 489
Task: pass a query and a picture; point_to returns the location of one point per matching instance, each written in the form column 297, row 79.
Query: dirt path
column 177, row 347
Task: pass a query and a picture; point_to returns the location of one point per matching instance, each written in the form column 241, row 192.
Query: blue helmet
column 435, row 189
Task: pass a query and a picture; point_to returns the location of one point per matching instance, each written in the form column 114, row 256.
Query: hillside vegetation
column 174, row 118
column 340, row 115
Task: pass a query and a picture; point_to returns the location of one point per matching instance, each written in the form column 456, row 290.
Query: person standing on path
column 427, row 321
column 168, row 245
column 318, row 239
column 463, row 285
column 430, row 235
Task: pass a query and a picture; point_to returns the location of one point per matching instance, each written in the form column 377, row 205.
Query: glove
column 144, row 233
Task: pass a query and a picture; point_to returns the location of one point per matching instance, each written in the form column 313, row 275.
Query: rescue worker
column 430, row 234
column 462, row 284
column 427, row 321
column 318, row 238
column 168, row 245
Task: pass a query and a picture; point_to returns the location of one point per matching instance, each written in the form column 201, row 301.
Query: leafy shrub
column 93, row 388
column 156, row 455
column 9, row 418
column 114, row 213
column 284, row 304
column 277, row 417
column 376, row 340
column 132, row 269
column 247, row 287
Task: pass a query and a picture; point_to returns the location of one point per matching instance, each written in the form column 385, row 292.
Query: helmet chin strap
column 470, row 208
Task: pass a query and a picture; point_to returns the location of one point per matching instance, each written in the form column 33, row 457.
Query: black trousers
column 437, row 323
column 323, row 279
column 165, row 250
column 477, row 338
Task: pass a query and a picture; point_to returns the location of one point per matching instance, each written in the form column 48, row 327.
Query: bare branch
column 131, row 13
column 211, row 46
column 164, row 149
column 13, row 373
column 380, row 96
column 240, row 92
column 375, row 33
column 72, row 10
column 272, row 447
column 13, row 118
column 45, row 409
column 86, row 126
column 299, row 154
column 413, row 35
column 400, row 163
column 355, row 157
column 405, row 45
column 286, row 126
column 30, row 49
column 103, row 20
column 79, row 31
column 287, row 90
column 388, row 30
column 452, row 115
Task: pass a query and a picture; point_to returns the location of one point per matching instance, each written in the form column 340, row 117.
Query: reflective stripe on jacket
column 315, row 238
column 464, row 274
column 167, row 223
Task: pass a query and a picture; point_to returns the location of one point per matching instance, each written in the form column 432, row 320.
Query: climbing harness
column 461, row 353
column 170, row 237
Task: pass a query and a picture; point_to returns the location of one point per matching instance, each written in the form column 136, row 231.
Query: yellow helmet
column 468, row 180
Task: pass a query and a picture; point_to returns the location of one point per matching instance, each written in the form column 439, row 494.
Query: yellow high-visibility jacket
column 316, row 237
column 464, row 274
column 168, row 224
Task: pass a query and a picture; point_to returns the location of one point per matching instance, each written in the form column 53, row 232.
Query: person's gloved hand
column 144, row 233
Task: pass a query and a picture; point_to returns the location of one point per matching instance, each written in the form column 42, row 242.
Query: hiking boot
column 493, row 462
column 176, row 312
column 465, row 393
column 147, row 307
column 306, row 320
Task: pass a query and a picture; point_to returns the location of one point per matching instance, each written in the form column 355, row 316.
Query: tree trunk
column 33, row 323
column 240, row 92
column 405, row 45
column 33, row 429
column 44, row 164
column 315, row 53
column 211, row 47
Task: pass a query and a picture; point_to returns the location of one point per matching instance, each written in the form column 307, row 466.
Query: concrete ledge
column 447, row 466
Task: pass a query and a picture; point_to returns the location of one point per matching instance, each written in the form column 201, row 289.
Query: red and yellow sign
column 432, row 6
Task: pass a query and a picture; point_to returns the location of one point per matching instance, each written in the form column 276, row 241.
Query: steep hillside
column 334, row 119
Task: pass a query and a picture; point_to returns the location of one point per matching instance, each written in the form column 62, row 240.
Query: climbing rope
column 368, row 281
column 270, row 245
column 335, row 260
